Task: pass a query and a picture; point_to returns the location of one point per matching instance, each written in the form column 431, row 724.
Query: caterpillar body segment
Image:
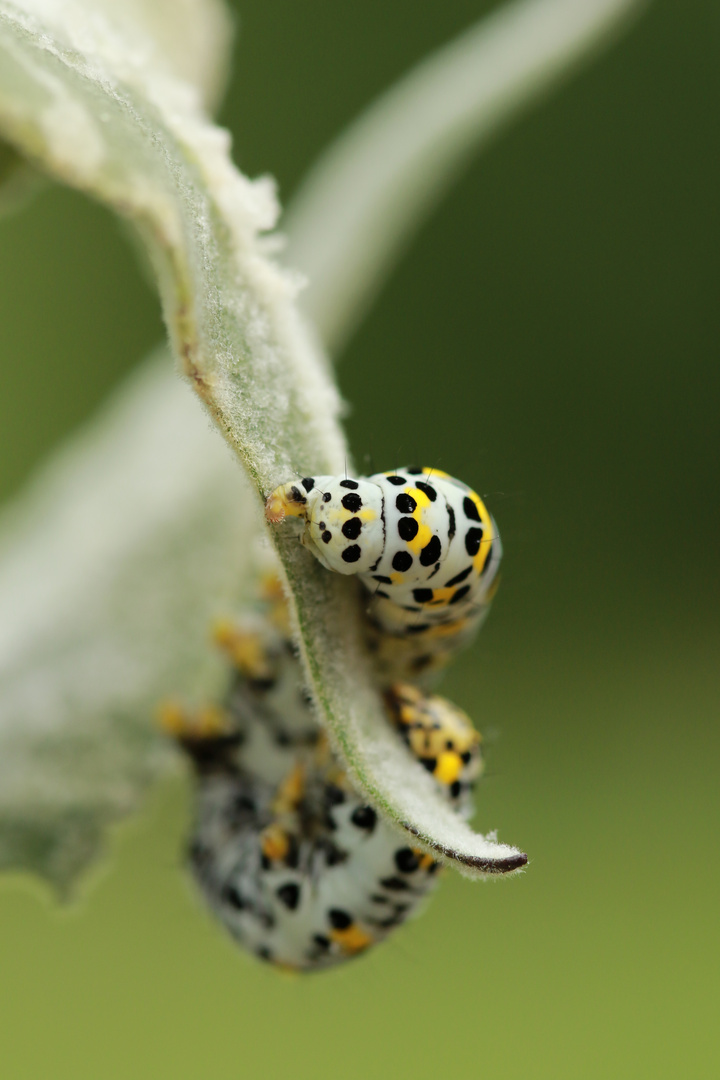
column 422, row 543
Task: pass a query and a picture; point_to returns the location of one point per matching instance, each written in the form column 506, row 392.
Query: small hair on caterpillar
column 292, row 860
column 422, row 543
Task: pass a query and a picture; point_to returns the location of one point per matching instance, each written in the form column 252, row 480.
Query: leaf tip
column 508, row 860
column 481, row 865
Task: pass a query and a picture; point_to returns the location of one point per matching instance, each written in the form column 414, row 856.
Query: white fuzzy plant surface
column 128, row 542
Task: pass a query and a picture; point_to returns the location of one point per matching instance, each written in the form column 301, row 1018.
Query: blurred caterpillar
column 422, row 543
column 291, row 859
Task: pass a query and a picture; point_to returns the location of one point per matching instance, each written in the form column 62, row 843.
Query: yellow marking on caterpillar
column 422, row 538
column 211, row 722
column 273, row 594
column 243, row 647
column 442, row 596
column 352, row 939
column 274, row 842
column 271, row 588
column 208, row 722
column 481, row 558
column 420, row 498
column 424, row 533
column 172, row 718
column 397, row 578
column 437, row 472
column 290, row 791
column 448, row 768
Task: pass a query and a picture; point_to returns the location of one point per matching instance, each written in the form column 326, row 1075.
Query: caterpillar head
column 342, row 520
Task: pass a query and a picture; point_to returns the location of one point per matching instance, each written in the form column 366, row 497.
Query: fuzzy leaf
column 75, row 97
column 193, row 37
column 112, row 565
column 97, row 103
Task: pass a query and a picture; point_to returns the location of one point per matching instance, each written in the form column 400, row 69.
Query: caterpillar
column 421, row 542
column 291, row 859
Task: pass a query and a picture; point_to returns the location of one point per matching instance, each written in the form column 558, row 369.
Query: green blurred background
column 551, row 337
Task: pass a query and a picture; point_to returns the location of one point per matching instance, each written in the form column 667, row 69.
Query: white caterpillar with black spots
column 421, row 542
column 287, row 854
